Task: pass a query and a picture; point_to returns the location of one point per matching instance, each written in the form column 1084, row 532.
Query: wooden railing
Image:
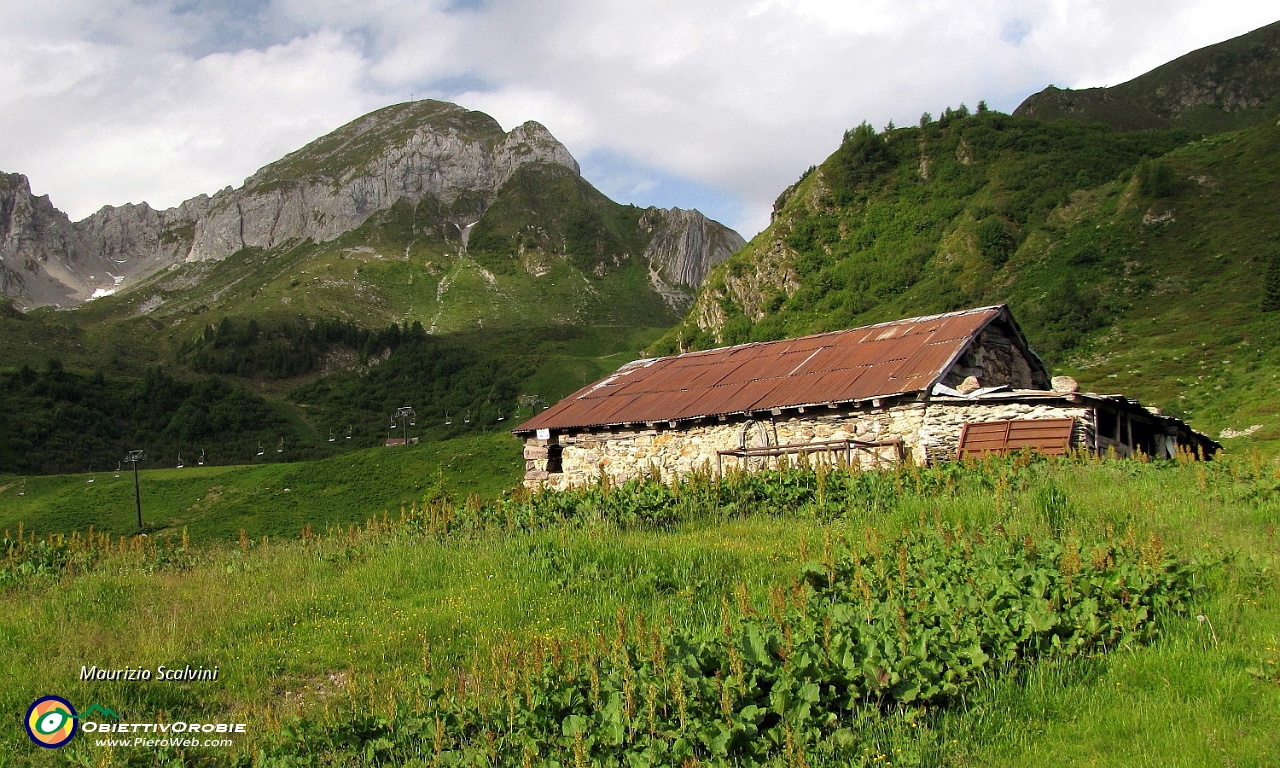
column 845, row 450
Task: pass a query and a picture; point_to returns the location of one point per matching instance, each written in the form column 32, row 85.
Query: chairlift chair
column 118, row 464
column 180, row 464
column 200, row 461
column 467, row 419
column 500, row 416
column 280, row 447
column 349, row 428
column 260, row 451
column 331, row 435
column 447, row 419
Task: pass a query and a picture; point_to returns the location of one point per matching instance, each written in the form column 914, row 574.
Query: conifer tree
column 1271, row 284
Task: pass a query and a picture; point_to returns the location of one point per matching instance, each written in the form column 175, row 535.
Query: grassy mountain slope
column 1133, row 260
column 262, row 499
column 1227, row 86
column 552, row 294
column 398, row 267
column 479, row 271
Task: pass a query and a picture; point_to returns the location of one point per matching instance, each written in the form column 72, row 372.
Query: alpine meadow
column 322, row 369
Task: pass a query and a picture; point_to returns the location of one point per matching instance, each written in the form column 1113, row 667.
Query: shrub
column 1156, row 179
column 995, row 241
column 910, row 622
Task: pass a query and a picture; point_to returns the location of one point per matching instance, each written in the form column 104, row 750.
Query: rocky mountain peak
column 686, row 244
column 403, row 152
column 455, row 159
column 38, row 239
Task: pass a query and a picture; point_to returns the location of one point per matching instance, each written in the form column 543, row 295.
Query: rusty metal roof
column 875, row 361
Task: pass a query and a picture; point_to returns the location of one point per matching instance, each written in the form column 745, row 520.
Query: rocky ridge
column 684, row 248
column 1223, row 86
column 403, row 152
column 455, row 159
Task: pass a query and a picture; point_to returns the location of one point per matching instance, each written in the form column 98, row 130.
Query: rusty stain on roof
column 872, row 362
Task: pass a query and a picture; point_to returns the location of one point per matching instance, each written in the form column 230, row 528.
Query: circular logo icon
column 51, row 721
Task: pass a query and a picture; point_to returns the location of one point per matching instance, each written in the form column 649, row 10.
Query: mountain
column 442, row 162
column 1137, row 262
column 45, row 259
column 418, row 255
column 1225, row 86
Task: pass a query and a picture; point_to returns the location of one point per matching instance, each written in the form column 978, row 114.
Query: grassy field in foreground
column 337, row 638
column 262, row 500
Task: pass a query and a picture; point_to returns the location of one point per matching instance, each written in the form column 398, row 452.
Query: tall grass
column 341, row 637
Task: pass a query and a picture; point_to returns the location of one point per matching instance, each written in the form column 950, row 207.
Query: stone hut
column 925, row 388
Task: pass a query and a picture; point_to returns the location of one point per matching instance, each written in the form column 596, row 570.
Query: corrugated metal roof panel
column 882, row 360
column 720, row 400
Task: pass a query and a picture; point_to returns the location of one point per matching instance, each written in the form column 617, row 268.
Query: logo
column 51, row 721
column 99, row 709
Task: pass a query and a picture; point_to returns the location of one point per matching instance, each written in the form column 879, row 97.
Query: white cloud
column 156, row 126
column 121, row 100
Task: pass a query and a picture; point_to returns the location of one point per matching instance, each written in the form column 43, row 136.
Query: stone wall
column 994, row 358
column 930, row 433
column 940, row 437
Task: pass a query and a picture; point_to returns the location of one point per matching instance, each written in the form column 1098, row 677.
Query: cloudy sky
column 714, row 104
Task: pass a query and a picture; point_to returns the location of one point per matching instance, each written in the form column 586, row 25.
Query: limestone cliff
column 684, row 247
column 42, row 260
column 456, row 159
column 406, row 151
column 45, row 259
column 440, row 158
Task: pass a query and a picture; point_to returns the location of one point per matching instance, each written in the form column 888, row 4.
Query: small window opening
column 1108, row 425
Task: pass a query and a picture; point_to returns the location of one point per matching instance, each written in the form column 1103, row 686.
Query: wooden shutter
column 1047, row 436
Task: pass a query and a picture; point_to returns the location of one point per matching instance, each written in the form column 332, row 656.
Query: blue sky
column 713, row 104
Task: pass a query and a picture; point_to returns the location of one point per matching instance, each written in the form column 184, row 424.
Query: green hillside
column 1134, row 261
column 1226, row 86
column 209, row 403
column 582, row 266
column 551, row 295
column 260, row 495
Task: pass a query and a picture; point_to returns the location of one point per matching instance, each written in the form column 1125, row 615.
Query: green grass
column 344, row 628
column 1160, row 98
column 268, row 499
column 1159, row 298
